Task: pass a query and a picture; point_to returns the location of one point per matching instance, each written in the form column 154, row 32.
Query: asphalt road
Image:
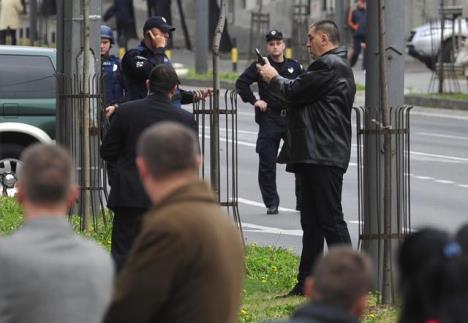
column 439, row 179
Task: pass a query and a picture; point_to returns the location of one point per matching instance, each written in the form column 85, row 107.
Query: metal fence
column 371, row 227
column 226, row 166
column 80, row 99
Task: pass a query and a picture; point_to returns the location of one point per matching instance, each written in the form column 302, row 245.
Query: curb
column 415, row 100
column 424, row 101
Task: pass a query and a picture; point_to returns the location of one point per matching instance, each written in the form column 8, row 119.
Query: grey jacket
column 50, row 274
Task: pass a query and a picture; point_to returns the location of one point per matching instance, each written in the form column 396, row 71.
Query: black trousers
column 125, row 228
column 321, row 213
column 8, row 33
column 357, row 40
column 267, row 149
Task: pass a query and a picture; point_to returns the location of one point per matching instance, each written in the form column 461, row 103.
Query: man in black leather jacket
column 318, row 139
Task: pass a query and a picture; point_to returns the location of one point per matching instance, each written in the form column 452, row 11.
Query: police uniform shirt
column 289, row 68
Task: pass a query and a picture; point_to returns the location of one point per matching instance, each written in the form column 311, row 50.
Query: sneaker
column 272, row 210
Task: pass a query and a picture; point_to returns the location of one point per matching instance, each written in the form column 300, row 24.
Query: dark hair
column 329, row 28
column 433, row 271
column 46, row 173
column 168, row 148
column 342, row 276
column 163, row 78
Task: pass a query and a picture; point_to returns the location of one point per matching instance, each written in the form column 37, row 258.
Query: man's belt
column 279, row 112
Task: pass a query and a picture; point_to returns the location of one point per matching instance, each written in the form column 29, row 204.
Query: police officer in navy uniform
column 110, row 68
column 137, row 63
column 270, row 114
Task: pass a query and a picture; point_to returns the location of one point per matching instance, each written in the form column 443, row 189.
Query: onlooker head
column 163, row 81
column 45, row 185
column 361, row 4
column 168, row 156
column 342, row 278
column 323, row 36
column 433, row 269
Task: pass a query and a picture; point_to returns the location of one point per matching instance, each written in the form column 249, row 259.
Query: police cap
column 274, row 35
column 157, row 22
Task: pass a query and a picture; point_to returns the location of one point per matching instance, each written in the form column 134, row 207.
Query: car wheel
column 10, row 166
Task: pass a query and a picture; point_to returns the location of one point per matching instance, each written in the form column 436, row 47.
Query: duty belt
column 281, row 112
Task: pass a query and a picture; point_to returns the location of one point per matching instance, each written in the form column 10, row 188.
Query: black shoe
column 272, row 210
column 298, row 290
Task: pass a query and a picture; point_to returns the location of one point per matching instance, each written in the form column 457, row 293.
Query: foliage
column 10, row 215
column 450, row 96
column 223, row 76
column 270, row 272
column 360, row 87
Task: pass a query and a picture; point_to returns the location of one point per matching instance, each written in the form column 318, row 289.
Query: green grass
column 270, row 272
column 224, row 76
column 360, row 87
column 451, row 96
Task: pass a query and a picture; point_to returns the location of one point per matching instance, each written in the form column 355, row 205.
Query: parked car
column 27, row 105
column 424, row 42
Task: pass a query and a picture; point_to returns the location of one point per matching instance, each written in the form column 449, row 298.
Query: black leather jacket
column 320, row 105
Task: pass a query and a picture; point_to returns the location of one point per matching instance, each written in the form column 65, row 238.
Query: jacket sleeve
column 144, row 285
column 186, row 96
column 307, row 87
column 243, row 83
column 113, row 140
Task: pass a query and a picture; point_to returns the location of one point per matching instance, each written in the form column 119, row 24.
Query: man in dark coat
column 187, row 262
column 127, row 197
column 318, row 139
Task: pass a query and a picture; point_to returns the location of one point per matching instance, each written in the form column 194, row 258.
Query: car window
column 26, row 77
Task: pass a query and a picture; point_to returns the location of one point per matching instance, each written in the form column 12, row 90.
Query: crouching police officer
column 270, row 114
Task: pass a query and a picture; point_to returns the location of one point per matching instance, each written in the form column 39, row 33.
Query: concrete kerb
column 410, row 99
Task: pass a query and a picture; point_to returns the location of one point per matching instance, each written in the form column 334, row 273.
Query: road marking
column 258, row 204
column 442, row 181
column 463, row 185
column 264, row 229
column 437, row 115
column 424, row 177
column 441, row 136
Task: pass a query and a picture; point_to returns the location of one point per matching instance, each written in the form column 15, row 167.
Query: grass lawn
column 451, row 96
column 270, row 272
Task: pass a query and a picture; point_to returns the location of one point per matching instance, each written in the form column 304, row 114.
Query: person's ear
column 309, row 288
column 73, row 195
column 142, row 167
column 20, row 193
column 173, row 90
column 360, row 306
column 148, row 85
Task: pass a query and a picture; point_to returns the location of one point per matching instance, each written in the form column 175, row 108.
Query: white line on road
column 437, row 115
column 443, row 181
column 429, row 134
column 258, row 204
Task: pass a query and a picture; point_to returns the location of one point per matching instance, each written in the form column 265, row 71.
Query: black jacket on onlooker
column 319, row 111
column 119, row 145
column 320, row 313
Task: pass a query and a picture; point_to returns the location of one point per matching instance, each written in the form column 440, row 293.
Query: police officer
column 110, row 68
column 270, row 114
column 137, row 63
